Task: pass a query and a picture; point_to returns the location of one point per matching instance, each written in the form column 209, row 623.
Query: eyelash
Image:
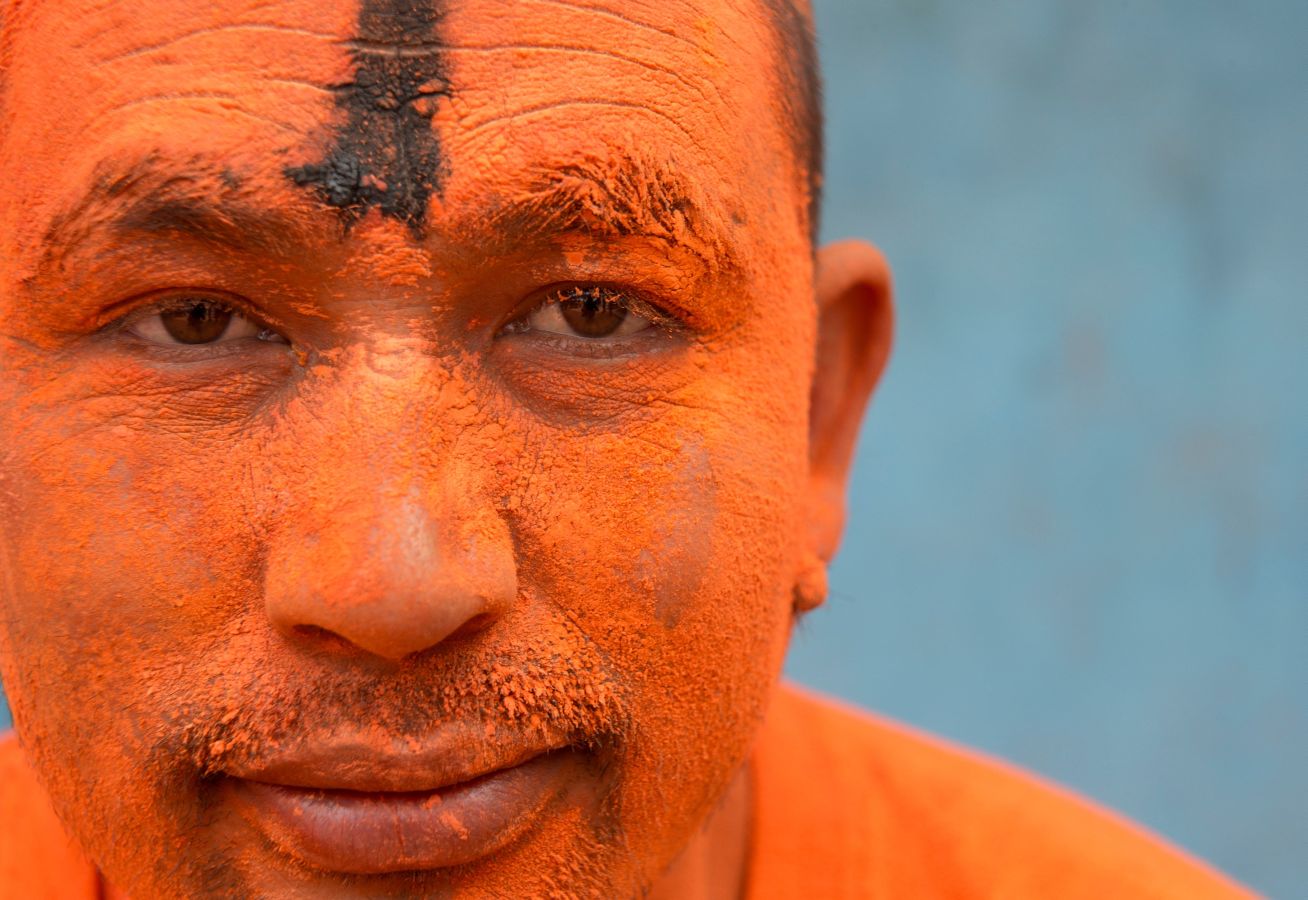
column 178, row 300
column 632, row 301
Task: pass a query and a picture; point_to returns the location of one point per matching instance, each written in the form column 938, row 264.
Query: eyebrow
column 206, row 201
column 613, row 195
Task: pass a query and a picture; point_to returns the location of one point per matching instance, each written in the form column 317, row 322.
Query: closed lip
column 452, row 756
column 344, row 806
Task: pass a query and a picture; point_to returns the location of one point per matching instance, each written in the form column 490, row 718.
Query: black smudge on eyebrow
column 386, row 154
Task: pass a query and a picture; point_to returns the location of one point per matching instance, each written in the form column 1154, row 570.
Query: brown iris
column 196, row 323
column 592, row 312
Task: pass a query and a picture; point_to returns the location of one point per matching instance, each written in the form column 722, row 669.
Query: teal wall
column 1079, row 532
column 1079, row 535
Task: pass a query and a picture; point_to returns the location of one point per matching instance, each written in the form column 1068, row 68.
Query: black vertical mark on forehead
column 386, row 154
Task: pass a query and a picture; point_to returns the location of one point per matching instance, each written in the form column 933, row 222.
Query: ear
column 855, row 324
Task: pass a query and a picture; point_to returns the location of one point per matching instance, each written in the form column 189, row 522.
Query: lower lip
column 356, row 833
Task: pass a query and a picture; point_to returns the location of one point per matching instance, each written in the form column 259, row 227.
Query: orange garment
column 37, row 861
column 846, row 806
column 851, row 806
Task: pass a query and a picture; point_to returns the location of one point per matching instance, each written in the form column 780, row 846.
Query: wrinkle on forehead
column 550, row 108
column 691, row 81
column 387, row 153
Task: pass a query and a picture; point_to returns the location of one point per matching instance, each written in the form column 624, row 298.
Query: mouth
column 340, row 810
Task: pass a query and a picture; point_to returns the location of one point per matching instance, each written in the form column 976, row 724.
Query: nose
column 391, row 572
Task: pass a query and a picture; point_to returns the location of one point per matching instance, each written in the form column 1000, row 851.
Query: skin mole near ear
column 386, row 154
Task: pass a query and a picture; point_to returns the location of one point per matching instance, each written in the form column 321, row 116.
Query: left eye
column 199, row 321
column 590, row 313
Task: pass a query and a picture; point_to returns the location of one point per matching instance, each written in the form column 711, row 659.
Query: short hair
column 801, row 100
column 797, row 63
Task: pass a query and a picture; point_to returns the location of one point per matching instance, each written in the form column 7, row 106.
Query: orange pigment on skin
column 407, row 511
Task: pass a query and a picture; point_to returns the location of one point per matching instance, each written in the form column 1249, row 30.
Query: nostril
column 323, row 638
column 312, row 632
column 472, row 626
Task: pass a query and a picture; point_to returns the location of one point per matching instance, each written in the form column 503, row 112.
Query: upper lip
column 453, row 755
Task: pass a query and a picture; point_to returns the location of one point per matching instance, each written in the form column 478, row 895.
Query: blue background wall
column 1079, row 532
column 1079, row 535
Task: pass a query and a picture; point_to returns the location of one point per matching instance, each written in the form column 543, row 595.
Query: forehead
column 432, row 103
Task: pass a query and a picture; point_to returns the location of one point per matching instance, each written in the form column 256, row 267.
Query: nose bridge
column 379, row 430
column 391, row 391
column 392, row 545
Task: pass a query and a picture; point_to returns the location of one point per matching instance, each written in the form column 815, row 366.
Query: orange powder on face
column 392, row 260
column 643, row 504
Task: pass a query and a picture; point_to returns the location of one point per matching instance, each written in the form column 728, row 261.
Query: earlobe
column 811, row 586
column 855, row 325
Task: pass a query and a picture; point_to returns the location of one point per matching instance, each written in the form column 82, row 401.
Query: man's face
column 391, row 396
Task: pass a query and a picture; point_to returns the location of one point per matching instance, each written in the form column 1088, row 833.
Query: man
column 414, row 462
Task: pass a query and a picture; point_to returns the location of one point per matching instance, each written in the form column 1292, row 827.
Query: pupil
column 200, row 323
column 592, row 315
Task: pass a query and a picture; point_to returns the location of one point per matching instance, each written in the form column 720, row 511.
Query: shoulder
column 37, row 860
column 866, row 808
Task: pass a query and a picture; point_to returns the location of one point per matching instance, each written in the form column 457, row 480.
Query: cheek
column 670, row 543
column 123, row 549
column 122, row 552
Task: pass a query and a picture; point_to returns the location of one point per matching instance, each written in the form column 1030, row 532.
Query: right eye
column 590, row 313
column 199, row 321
